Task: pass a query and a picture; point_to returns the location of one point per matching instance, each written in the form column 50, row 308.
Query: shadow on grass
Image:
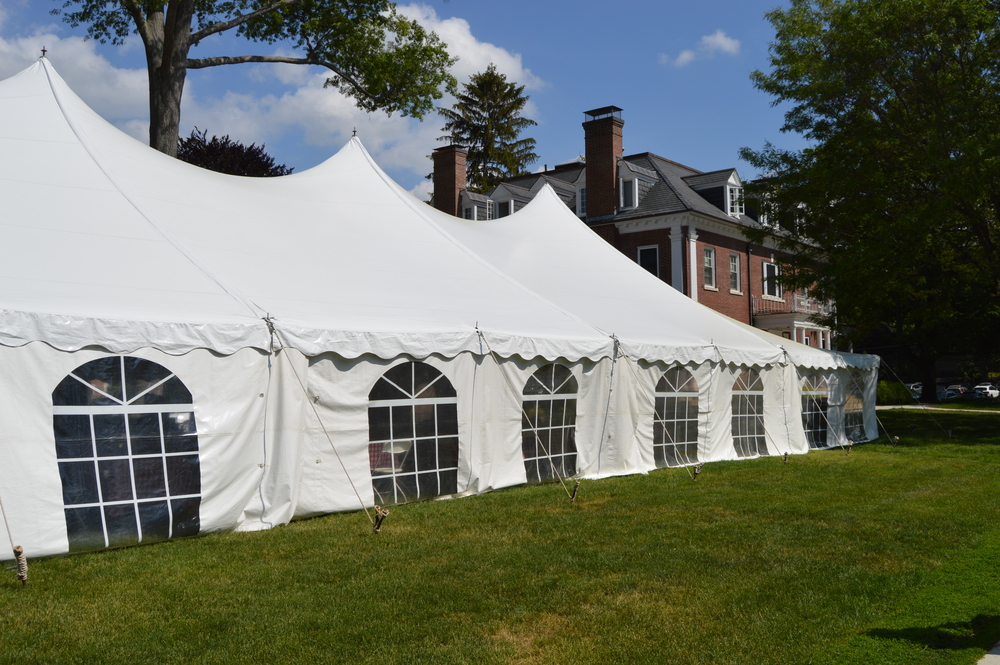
column 982, row 632
column 919, row 428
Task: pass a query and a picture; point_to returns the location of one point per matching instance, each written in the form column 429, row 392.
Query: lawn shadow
column 982, row 632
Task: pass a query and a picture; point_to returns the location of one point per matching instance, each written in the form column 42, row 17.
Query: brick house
column 681, row 224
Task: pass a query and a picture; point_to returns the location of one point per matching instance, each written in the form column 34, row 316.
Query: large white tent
column 184, row 351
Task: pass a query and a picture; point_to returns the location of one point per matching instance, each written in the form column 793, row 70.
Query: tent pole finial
column 44, row 51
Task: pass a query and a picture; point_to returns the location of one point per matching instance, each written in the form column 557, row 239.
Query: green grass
column 889, row 554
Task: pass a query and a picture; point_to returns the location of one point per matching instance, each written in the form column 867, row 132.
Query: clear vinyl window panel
column 127, row 450
column 748, row 414
column 675, row 420
column 412, row 434
column 854, row 408
column 548, row 424
column 815, row 406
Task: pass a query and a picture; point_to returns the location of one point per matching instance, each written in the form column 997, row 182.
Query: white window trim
column 739, row 274
column 764, row 282
column 706, row 252
column 638, row 255
column 734, row 200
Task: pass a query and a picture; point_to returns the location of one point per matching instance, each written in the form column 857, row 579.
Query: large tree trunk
column 167, row 40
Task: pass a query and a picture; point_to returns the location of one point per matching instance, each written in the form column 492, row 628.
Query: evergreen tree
column 487, row 121
column 227, row 156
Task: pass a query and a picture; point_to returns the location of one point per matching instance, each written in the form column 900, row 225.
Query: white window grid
column 116, row 474
column 854, row 409
column 709, row 265
column 748, row 415
column 548, row 425
column 815, row 409
column 734, row 273
column 771, row 283
column 675, row 419
column 408, row 465
column 735, row 200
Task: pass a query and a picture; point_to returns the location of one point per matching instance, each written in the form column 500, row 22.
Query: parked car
column 986, row 390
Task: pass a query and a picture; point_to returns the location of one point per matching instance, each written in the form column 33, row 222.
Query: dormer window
column 735, row 200
column 503, row 208
column 628, row 193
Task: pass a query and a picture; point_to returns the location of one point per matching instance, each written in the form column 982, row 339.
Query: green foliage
column 376, row 56
column 227, row 156
column 487, row 121
column 893, row 392
column 885, row 555
column 893, row 211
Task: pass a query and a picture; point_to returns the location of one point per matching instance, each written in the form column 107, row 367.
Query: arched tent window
column 815, row 403
column 748, row 414
column 854, row 407
column 412, row 434
column 548, row 424
column 128, row 454
column 675, row 422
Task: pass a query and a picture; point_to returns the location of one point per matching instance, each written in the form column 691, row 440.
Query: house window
column 548, row 424
column 675, row 420
column 503, row 208
column 649, row 258
column 468, row 213
column 735, row 200
column 709, row 265
column 582, row 201
column 628, row 193
column 127, row 450
column 748, row 414
column 815, row 404
column 412, row 434
column 734, row 273
column 772, row 275
column 854, row 408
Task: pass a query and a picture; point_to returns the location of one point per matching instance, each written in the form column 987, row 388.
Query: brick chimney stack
column 449, row 177
column 603, row 145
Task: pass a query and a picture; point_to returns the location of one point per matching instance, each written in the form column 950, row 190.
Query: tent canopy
column 143, row 250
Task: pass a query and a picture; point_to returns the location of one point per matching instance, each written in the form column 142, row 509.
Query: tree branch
column 202, row 63
column 133, row 9
column 239, row 20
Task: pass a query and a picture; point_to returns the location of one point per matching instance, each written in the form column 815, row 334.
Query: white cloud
column 718, row 41
column 294, row 109
column 708, row 45
column 117, row 94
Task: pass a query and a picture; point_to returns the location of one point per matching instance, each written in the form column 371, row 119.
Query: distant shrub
column 893, row 392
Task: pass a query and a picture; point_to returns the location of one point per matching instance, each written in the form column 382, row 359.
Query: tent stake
column 575, row 488
column 380, row 514
column 697, row 470
column 22, row 565
column 786, row 457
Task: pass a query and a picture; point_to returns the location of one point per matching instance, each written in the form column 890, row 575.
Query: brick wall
column 603, row 146
column 449, row 177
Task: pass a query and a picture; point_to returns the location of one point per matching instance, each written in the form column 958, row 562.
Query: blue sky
column 680, row 71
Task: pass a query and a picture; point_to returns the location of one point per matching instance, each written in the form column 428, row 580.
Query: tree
column 893, row 211
column 227, row 156
column 381, row 59
column 487, row 121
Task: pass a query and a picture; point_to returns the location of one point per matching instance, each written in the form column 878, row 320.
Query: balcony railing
column 792, row 304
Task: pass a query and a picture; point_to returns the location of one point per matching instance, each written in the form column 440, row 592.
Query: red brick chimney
column 603, row 145
column 449, row 177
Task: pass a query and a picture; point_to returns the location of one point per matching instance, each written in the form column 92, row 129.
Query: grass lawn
column 884, row 555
